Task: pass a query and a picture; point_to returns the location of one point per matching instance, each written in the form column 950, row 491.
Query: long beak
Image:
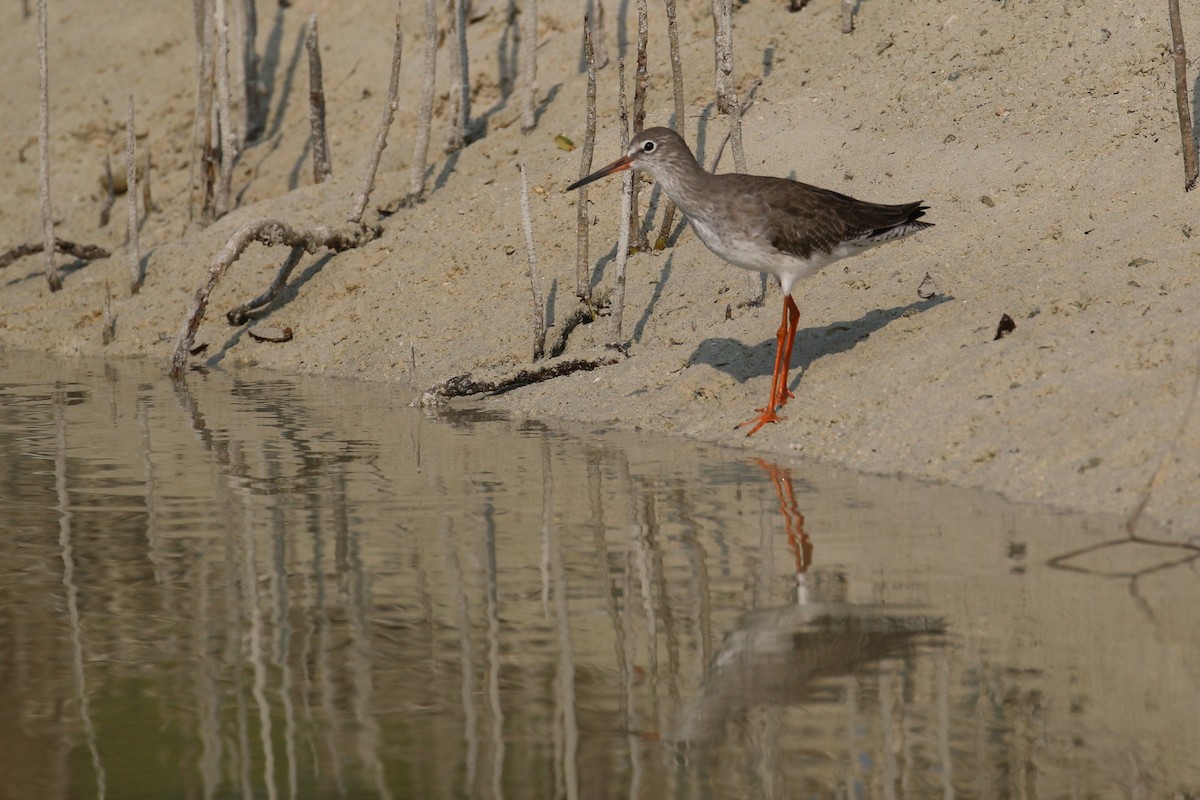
column 621, row 163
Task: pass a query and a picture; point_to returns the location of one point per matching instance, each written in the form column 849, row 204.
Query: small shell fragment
column 928, row 288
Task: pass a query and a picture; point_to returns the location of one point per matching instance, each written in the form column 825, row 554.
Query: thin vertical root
column 539, row 304
column 416, row 174
column 224, row 115
column 461, row 92
column 727, row 101
column 1191, row 166
column 528, row 64
column 385, row 123
column 639, row 121
column 52, row 277
column 583, row 267
column 322, row 166
column 131, row 194
column 664, row 232
column 618, row 298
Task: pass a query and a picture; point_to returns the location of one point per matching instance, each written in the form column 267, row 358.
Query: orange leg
column 784, row 338
column 792, row 315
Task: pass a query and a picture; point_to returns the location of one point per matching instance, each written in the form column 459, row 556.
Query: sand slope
column 1042, row 135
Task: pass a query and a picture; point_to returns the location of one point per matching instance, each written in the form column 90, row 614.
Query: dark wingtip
column 918, row 210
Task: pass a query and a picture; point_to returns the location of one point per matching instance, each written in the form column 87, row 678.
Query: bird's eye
column 648, row 147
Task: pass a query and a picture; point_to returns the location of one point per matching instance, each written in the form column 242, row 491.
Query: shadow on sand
column 729, row 355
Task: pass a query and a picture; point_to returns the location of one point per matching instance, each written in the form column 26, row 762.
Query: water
column 263, row 586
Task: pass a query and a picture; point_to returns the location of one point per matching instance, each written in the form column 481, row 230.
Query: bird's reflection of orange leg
column 793, row 520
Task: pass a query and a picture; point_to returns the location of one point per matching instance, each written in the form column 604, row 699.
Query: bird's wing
column 802, row 219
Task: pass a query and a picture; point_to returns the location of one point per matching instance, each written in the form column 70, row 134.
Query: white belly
column 753, row 254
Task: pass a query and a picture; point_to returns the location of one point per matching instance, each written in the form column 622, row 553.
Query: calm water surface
column 261, row 586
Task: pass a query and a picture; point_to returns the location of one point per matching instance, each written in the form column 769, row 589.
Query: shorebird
column 778, row 226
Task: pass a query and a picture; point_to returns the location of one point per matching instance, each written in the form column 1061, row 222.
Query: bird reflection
column 793, row 520
column 780, row 656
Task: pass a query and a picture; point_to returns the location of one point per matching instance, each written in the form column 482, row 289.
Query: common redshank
column 774, row 225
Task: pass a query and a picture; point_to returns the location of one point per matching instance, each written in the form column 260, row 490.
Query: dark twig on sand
column 322, row 166
column 539, row 304
column 848, row 16
column 108, row 320
column 1191, row 170
column 147, row 201
column 466, row 384
column 271, row 232
column 48, row 246
column 583, row 266
column 84, row 252
column 385, row 122
column 110, row 192
column 271, row 335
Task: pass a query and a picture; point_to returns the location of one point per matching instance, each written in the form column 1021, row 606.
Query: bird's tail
column 909, row 223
